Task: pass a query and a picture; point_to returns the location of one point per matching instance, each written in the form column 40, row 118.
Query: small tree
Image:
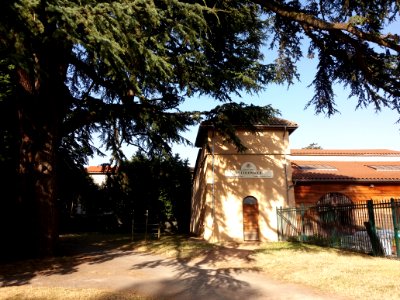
column 158, row 184
column 313, row 146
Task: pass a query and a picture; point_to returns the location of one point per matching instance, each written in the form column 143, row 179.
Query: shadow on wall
column 228, row 193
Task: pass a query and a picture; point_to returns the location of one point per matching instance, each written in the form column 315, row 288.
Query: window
column 385, row 167
column 249, row 200
column 318, row 167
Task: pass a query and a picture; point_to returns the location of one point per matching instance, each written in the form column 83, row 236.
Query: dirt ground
column 220, row 274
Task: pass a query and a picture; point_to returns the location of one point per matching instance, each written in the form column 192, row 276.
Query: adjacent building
column 349, row 176
column 99, row 174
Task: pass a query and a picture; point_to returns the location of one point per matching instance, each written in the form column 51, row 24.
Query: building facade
column 235, row 195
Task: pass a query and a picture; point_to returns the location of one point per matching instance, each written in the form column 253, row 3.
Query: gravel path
column 155, row 276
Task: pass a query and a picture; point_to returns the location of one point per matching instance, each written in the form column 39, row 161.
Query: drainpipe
column 213, row 180
column 286, row 181
column 286, row 173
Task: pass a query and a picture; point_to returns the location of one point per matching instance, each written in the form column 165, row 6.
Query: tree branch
column 390, row 41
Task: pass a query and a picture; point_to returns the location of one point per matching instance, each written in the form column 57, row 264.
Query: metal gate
column 371, row 227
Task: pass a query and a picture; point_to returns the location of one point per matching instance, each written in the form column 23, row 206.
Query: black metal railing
column 372, row 227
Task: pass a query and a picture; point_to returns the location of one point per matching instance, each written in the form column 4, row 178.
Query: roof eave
column 357, row 180
column 203, row 129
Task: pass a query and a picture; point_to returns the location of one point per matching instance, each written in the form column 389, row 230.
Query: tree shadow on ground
column 74, row 250
column 211, row 274
column 195, row 270
column 200, row 273
column 198, row 281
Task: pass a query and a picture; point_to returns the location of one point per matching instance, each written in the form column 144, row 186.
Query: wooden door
column 250, row 219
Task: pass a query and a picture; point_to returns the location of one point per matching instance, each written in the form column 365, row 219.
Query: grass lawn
column 344, row 273
column 347, row 274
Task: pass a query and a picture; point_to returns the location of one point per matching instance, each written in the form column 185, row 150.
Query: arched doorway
column 334, row 199
column 250, row 219
column 335, row 213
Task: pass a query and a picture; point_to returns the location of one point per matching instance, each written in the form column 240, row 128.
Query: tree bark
column 41, row 99
column 37, row 198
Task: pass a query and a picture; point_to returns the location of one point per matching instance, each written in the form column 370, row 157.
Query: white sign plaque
column 249, row 170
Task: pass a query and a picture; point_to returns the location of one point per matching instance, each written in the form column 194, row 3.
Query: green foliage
column 80, row 200
column 160, row 185
column 129, row 64
column 8, row 118
column 6, row 84
column 147, row 56
column 352, row 41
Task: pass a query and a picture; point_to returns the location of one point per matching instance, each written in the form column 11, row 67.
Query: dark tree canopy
column 158, row 185
column 119, row 69
column 351, row 41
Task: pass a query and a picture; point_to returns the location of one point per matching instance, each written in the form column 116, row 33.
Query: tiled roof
column 344, row 152
column 272, row 123
column 345, row 171
column 100, row 169
column 281, row 123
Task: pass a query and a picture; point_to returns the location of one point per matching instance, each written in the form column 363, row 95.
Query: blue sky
column 361, row 129
column 350, row 129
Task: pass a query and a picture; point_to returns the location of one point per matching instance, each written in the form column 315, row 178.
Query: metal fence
column 144, row 229
column 373, row 227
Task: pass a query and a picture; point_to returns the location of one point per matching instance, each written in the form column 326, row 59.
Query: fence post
column 133, row 224
column 147, row 220
column 280, row 223
column 302, row 212
column 371, row 230
column 396, row 229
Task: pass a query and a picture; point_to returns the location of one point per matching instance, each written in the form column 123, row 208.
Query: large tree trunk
column 38, row 183
column 37, row 172
column 41, row 108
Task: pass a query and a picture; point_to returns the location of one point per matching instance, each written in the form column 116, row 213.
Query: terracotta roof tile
column 345, row 171
column 100, row 169
column 344, row 152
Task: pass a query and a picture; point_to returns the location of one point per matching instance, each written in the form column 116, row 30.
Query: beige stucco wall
column 217, row 198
